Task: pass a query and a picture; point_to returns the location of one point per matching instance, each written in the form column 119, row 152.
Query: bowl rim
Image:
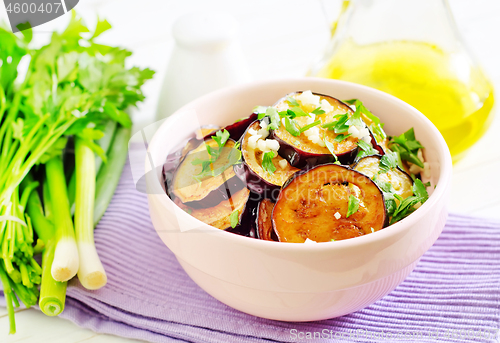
column 439, row 193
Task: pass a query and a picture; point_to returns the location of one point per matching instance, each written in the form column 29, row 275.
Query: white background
column 280, row 38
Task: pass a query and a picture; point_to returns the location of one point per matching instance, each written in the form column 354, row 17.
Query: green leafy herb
column 355, row 120
column 388, row 161
column 419, row 189
column 341, row 137
column 397, row 207
column 234, row 218
column 267, row 161
column 339, row 125
column 331, row 148
column 307, row 127
column 352, row 206
column 376, row 126
column 388, row 192
column 221, row 138
column 292, row 127
column 292, row 101
column 365, row 149
column 318, row 111
column 296, row 112
column 407, row 147
column 405, row 207
column 234, row 157
column 274, row 118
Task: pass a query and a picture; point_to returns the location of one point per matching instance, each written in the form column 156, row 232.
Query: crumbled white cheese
column 337, row 215
column 427, row 169
column 307, row 98
column 363, row 132
column 272, row 144
column 414, row 169
column 321, row 143
column 367, row 139
column 313, row 116
column 261, row 144
column 263, row 125
column 325, row 106
column 313, row 131
column 309, row 241
column 283, row 163
column 263, row 133
column 310, row 120
column 420, row 155
column 252, row 131
column 252, row 141
column 314, row 138
column 353, row 130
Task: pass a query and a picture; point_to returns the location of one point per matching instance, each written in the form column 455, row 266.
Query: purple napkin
column 452, row 296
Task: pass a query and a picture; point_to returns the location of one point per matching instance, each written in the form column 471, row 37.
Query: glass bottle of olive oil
column 411, row 49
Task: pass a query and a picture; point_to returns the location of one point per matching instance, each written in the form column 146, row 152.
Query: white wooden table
column 267, row 29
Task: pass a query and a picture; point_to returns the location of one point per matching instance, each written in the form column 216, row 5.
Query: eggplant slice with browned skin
column 265, row 221
column 219, row 216
column 300, row 151
column 400, row 180
column 314, row 204
column 209, row 190
column 238, row 128
column 251, row 171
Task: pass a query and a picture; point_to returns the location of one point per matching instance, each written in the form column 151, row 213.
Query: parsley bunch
column 75, row 87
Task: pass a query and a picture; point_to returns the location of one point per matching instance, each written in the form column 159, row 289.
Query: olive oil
column 456, row 97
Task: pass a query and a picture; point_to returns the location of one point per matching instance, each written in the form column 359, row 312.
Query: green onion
column 108, row 176
column 90, row 272
column 65, row 264
column 52, row 292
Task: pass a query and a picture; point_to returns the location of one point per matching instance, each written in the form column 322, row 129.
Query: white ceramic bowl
column 287, row 281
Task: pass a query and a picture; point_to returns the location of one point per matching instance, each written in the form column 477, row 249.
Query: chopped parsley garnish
column 339, row 125
column 401, row 208
column 420, row 190
column 341, row 137
column 355, row 119
column 292, row 127
column 388, row 161
column 273, row 115
column 307, row 127
column 221, row 138
column 234, row 218
column 376, row 126
column 318, row 111
column 407, row 147
column 352, row 206
column 365, row 149
column 405, row 207
column 234, row 156
column 267, row 161
column 292, row 101
column 331, row 148
column 293, row 112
